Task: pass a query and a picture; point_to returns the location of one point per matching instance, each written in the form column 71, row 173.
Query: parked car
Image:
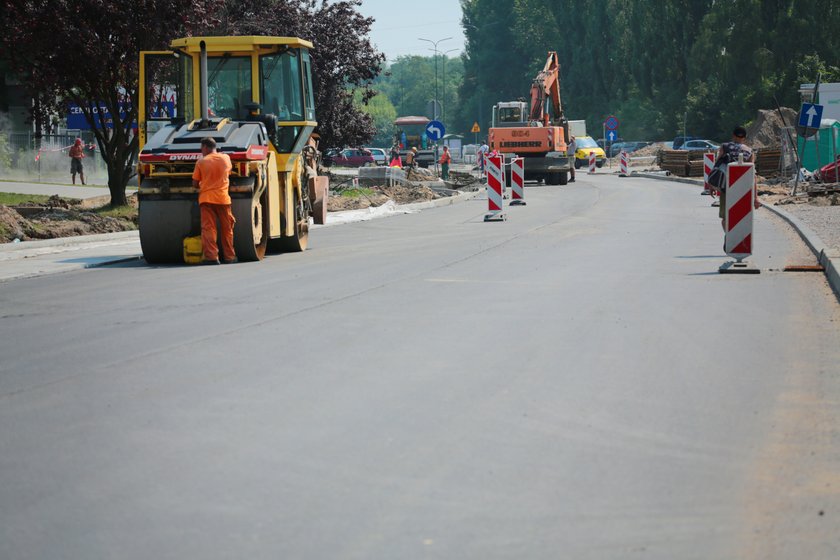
column 705, row 145
column 680, row 140
column 616, row 148
column 380, row 156
column 351, row 157
column 586, row 144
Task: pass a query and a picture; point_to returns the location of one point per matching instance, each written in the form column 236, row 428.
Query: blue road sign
column 435, row 130
column 612, row 135
column 611, row 123
column 810, row 115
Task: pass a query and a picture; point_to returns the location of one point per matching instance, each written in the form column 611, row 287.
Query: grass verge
column 11, row 199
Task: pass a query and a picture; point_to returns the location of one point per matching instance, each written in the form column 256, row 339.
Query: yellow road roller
column 253, row 96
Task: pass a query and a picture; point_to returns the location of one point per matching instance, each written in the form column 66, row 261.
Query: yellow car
column 586, row 144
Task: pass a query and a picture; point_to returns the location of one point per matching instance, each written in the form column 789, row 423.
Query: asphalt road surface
column 577, row 382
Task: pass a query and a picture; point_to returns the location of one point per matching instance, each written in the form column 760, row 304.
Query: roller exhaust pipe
column 203, row 95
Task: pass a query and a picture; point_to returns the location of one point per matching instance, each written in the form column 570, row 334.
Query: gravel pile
column 823, row 220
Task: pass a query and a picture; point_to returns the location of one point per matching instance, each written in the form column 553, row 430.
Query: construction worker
column 572, row 148
column 211, row 177
column 77, row 153
column 411, row 159
column 444, row 161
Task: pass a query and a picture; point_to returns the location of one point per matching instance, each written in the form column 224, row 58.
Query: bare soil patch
column 61, row 217
column 356, row 199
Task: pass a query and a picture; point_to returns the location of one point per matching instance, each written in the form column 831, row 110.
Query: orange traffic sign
column 475, row 127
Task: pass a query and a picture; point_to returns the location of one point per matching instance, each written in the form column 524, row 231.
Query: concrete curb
column 827, row 257
column 68, row 241
column 686, row 180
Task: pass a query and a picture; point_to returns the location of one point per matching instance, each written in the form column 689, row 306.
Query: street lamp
column 435, row 43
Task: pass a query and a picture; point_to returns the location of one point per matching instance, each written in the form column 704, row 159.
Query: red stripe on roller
column 736, row 172
column 739, row 210
column 744, row 246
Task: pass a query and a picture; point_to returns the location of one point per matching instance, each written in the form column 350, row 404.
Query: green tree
column 383, row 113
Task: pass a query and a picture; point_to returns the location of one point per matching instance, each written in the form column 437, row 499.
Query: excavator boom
column 545, row 87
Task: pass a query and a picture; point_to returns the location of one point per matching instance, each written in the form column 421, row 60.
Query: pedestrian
column 571, row 150
column 482, row 155
column 396, row 160
column 211, row 178
column 411, row 159
column 444, row 161
column 732, row 152
column 77, row 154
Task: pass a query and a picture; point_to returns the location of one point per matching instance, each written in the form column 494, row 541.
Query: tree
column 343, row 62
column 383, row 113
column 87, row 53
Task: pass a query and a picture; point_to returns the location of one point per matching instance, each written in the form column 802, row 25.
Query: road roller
column 253, row 95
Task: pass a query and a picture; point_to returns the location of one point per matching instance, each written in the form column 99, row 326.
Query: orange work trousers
column 209, row 214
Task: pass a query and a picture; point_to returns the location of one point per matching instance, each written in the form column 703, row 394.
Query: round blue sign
column 611, row 123
column 435, row 130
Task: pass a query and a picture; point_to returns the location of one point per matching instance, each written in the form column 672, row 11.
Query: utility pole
column 435, row 43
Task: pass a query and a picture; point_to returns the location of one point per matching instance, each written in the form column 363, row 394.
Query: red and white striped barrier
column 738, row 215
column 624, row 164
column 495, row 189
column 708, row 164
column 592, row 162
column 517, row 182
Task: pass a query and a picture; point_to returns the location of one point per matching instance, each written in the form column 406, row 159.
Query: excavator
column 253, row 95
column 538, row 134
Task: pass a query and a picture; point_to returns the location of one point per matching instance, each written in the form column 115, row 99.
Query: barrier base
column 716, row 203
column 518, row 202
column 623, row 175
column 495, row 217
column 738, row 267
column 706, row 192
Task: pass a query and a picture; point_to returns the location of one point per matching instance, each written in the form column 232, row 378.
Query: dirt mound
column 648, row 151
column 59, row 221
column 357, row 199
column 766, row 129
column 421, row 174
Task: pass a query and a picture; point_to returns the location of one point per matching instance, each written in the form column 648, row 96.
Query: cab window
column 229, row 86
column 281, row 91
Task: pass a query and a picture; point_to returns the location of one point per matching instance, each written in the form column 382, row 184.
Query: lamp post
column 435, row 43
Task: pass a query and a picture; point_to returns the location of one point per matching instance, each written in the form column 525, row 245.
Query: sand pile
column 766, row 129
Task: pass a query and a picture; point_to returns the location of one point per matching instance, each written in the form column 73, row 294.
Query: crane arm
column 544, row 87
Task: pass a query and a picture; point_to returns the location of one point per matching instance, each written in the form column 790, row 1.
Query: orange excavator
column 539, row 134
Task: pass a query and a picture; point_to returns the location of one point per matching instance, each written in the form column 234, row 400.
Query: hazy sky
column 399, row 24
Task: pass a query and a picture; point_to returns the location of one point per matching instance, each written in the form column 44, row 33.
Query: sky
column 399, row 24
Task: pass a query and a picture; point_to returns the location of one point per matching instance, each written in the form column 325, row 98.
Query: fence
column 33, row 158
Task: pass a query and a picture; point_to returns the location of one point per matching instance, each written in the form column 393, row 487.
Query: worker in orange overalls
column 444, row 162
column 211, row 178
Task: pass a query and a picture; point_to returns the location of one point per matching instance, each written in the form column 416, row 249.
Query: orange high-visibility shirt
column 212, row 173
column 445, row 158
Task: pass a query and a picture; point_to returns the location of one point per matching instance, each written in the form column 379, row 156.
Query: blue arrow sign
column 810, row 115
column 435, row 130
column 612, row 135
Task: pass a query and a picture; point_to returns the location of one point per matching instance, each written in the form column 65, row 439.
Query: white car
column 705, row 145
column 380, row 156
